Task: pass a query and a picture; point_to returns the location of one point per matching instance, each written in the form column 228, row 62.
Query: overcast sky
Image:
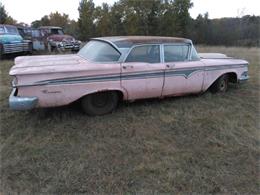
column 30, row 10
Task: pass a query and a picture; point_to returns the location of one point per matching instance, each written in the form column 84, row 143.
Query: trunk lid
column 46, row 64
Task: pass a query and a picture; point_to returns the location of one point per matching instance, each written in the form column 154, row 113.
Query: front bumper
column 244, row 77
column 16, row 47
column 69, row 46
column 21, row 103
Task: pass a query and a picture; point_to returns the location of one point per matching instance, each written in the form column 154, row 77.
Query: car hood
column 61, row 38
column 10, row 39
column 46, row 64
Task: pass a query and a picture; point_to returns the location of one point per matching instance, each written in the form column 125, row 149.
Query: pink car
column 110, row 69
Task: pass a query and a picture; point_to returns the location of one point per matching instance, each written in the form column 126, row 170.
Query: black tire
column 220, row 85
column 100, row 103
column 1, row 52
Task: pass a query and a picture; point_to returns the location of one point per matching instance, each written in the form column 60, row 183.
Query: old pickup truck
column 12, row 42
column 109, row 69
column 55, row 39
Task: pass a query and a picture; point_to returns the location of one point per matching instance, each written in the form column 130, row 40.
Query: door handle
column 170, row 65
column 128, row 66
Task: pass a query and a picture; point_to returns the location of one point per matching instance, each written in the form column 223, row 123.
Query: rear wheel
column 100, row 103
column 220, row 85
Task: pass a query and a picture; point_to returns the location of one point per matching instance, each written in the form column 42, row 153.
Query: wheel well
column 119, row 93
column 232, row 77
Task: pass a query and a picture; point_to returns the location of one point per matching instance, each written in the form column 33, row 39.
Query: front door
column 182, row 75
column 142, row 73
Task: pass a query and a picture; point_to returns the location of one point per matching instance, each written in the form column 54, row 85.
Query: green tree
column 103, row 20
column 72, row 28
column 44, row 21
column 181, row 16
column 57, row 19
column 86, row 19
column 4, row 17
column 3, row 14
column 117, row 17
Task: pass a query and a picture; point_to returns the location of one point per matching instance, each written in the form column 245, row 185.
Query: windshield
column 2, row 30
column 11, row 30
column 8, row 30
column 56, row 31
column 99, row 51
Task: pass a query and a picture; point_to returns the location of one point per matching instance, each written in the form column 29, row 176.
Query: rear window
column 146, row 53
column 99, row 51
column 176, row 53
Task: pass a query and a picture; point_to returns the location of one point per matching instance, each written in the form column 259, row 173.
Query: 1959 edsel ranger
column 110, row 69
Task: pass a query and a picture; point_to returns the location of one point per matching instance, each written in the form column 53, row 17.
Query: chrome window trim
column 107, row 41
column 110, row 43
column 140, row 45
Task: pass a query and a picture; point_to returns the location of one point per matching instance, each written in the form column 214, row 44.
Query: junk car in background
column 55, row 39
column 12, row 42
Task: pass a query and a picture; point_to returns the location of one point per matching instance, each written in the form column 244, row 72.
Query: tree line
column 154, row 17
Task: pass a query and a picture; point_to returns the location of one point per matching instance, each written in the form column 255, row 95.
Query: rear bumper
column 21, row 103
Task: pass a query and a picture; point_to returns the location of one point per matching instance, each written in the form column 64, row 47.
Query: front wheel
column 220, row 85
column 100, row 103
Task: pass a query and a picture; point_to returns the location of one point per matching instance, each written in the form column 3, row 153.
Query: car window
column 45, row 32
column 11, row 30
column 175, row 53
column 36, row 33
column 194, row 55
column 146, row 53
column 2, row 30
column 56, row 31
column 99, row 51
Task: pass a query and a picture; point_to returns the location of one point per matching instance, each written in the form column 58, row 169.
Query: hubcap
column 223, row 85
column 100, row 100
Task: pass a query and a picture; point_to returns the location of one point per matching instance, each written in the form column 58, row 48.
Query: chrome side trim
column 21, row 103
column 186, row 72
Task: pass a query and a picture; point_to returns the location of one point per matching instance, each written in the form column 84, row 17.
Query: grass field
column 205, row 143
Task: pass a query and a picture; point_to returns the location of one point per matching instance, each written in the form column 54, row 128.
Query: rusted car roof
column 129, row 41
column 49, row 27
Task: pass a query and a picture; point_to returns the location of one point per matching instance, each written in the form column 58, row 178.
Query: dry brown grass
column 202, row 144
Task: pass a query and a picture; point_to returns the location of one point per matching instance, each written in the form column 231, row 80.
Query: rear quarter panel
column 57, row 89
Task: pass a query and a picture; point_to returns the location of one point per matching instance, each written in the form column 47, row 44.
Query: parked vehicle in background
column 25, row 32
column 38, row 40
column 109, row 69
column 55, row 39
column 12, row 42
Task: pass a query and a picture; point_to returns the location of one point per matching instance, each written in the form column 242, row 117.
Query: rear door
column 182, row 73
column 142, row 72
